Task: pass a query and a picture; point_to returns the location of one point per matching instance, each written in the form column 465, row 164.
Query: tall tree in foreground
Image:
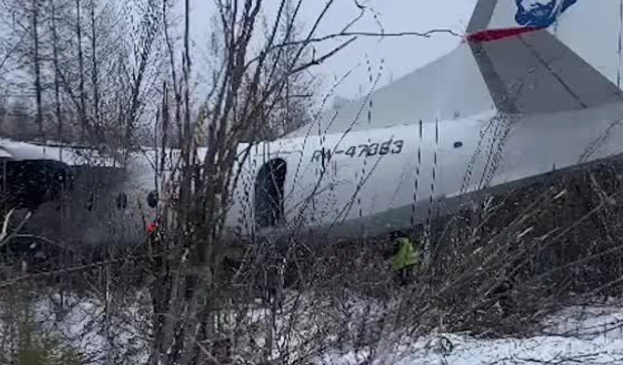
column 248, row 89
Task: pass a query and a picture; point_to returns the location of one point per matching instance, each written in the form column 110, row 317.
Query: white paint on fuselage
column 373, row 195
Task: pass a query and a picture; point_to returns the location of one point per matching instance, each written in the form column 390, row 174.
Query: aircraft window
column 458, row 144
column 152, row 199
column 122, row 201
column 269, row 193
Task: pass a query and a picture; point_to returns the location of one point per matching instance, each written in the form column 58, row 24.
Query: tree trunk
column 37, row 65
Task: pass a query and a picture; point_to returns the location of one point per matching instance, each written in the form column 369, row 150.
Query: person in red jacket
column 154, row 249
column 152, row 227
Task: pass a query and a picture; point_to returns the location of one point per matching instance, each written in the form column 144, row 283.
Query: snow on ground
column 80, row 322
column 576, row 335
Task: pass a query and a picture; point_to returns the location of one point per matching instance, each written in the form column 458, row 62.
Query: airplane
column 527, row 93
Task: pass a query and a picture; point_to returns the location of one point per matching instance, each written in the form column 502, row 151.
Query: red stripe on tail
column 497, row 34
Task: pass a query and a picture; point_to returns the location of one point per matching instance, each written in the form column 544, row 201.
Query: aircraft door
column 269, row 192
column 274, row 189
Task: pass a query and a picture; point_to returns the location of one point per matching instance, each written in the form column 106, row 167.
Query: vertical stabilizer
column 533, row 54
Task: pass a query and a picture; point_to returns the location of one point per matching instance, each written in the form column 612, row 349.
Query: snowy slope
column 576, row 335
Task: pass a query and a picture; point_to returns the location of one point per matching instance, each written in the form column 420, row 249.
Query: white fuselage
column 380, row 180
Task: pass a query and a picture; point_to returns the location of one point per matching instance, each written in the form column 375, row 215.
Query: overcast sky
column 397, row 56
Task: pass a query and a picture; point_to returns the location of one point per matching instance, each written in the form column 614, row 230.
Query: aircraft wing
column 33, row 174
column 70, row 155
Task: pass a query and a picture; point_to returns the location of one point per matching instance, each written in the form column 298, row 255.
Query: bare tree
column 84, row 73
column 37, row 62
column 187, row 282
column 289, row 108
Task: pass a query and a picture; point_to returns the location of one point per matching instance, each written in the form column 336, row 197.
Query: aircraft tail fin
column 535, row 55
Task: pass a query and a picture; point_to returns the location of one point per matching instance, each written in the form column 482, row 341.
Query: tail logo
column 540, row 13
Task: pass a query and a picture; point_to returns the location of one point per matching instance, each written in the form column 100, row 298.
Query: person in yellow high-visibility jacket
column 405, row 257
